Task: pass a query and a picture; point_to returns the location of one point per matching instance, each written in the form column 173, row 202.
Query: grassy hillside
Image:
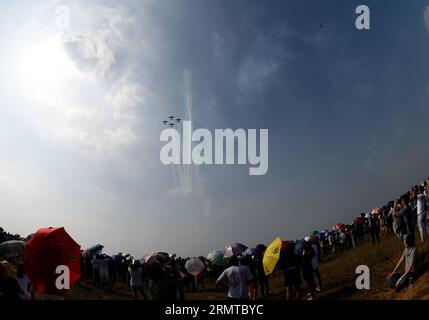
column 338, row 276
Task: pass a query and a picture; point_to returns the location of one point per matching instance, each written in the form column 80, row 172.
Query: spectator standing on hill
column 421, row 209
column 326, row 247
column 331, row 242
column 178, row 272
column 163, row 286
column 96, row 270
column 262, row 278
column 374, row 227
column 426, row 185
column 136, row 280
column 383, row 221
column 342, row 238
column 307, row 269
column 112, row 265
column 349, row 240
column 290, row 264
column 390, row 217
column 104, row 272
column 237, row 278
column 315, row 264
column 88, row 265
column 252, row 288
column 360, row 226
column 353, row 234
column 403, row 217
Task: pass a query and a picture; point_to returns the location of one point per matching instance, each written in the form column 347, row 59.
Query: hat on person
column 307, row 239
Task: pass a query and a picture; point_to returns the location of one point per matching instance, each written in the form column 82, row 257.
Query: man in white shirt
column 421, row 206
column 136, row 280
column 238, row 278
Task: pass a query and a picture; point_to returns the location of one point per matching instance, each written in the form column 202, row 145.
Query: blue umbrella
column 97, row 248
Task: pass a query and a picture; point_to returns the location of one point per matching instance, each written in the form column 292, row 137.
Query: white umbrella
column 194, row 266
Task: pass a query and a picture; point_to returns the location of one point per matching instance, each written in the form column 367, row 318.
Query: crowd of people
column 161, row 276
column 6, row 236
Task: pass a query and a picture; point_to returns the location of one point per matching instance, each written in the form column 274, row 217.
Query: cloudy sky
column 82, row 97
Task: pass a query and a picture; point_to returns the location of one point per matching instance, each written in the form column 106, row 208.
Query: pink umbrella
column 340, row 226
column 234, row 249
column 376, row 211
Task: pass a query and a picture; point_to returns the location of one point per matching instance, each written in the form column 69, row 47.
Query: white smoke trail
column 187, row 180
column 182, row 174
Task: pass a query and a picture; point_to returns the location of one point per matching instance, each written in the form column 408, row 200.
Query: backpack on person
column 398, row 226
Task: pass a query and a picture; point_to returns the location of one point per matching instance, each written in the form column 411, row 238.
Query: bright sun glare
column 45, row 68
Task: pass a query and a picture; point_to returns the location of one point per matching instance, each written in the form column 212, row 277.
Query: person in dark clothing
column 262, row 278
column 290, row 264
column 163, row 286
column 253, row 285
column 9, row 287
column 307, row 268
column 374, row 227
column 177, row 271
column 405, row 214
column 112, row 265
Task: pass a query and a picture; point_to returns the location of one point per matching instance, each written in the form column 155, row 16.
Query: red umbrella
column 285, row 243
column 46, row 250
column 340, row 226
column 359, row 220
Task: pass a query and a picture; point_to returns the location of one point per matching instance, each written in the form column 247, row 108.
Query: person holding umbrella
column 290, row 263
column 48, row 249
column 136, row 280
column 262, row 277
column 252, row 288
column 374, row 225
column 307, row 268
column 195, row 268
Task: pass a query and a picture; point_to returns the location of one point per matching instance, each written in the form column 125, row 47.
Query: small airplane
column 171, row 125
column 165, row 122
column 171, row 117
column 178, row 120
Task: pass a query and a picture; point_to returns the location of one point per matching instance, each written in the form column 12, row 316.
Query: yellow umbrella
column 272, row 255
